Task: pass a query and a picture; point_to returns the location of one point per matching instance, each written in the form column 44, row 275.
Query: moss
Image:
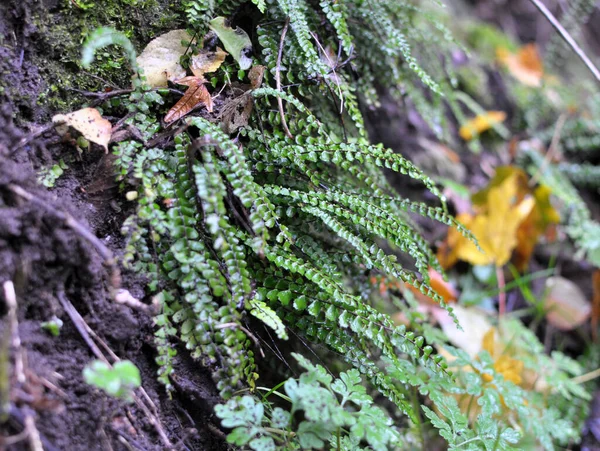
column 63, row 30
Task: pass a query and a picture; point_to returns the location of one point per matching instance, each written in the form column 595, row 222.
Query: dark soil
column 49, row 263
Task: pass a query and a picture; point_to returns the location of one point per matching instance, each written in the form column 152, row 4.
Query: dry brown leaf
column 87, row 121
column 207, row 61
column 256, row 75
column 566, row 304
column 195, row 95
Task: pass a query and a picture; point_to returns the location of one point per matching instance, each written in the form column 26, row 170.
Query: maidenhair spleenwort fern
column 285, row 225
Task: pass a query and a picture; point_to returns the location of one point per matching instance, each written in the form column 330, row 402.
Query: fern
column 283, row 228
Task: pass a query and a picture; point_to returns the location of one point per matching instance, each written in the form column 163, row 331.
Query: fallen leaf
column 480, row 123
column 236, row 41
column 447, row 253
column 474, row 322
column 439, row 285
column 195, row 95
column 510, row 368
column 566, row 305
column 256, row 76
column 207, row 61
column 236, row 110
column 496, row 228
column 542, row 215
column 160, row 59
column 87, row 121
column 525, row 65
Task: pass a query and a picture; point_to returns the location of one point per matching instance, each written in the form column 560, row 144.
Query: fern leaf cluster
column 285, row 222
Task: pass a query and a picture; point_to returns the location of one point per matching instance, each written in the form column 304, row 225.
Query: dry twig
column 141, row 398
column 35, row 443
column 567, row 37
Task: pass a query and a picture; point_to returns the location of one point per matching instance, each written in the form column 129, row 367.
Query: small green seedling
column 119, row 381
column 53, row 326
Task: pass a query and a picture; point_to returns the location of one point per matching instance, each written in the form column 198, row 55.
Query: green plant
column 118, row 380
column 286, row 229
column 49, row 176
column 281, row 217
column 334, row 411
column 53, row 326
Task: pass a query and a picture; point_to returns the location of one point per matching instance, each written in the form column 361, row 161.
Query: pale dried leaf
column 566, row 304
column 87, row 121
column 207, row 61
column 475, row 325
column 160, row 58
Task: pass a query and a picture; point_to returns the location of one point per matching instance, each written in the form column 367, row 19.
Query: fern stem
column 278, row 79
column 567, row 37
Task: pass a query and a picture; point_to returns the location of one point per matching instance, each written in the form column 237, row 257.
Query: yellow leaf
column 525, row 65
column 496, row 229
column 207, row 61
column 534, row 226
column 88, row 122
column 480, row 123
column 511, row 369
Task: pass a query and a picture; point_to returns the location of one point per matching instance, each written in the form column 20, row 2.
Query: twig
column 586, row 377
column 82, row 231
column 81, row 327
column 86, row 333
column 567, row 37
column 124, row 297
column 15, row 341
column 278, row 79
column 10, row 297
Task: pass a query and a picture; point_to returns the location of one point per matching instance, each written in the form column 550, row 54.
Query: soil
column 50, row 264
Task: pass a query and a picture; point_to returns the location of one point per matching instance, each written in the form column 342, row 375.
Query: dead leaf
column 160, row 59
column 256, row 76
column 475, row 324
column 195, row 95
column 236, row 112
column 566, row 305
column 504, row 363
column 87, row 121
column 480, row 123
column 525, row 65
column 542, row 215
column 439, row 285
column 207, row 61
column 447, row 253
column 236, row 41
column 496, row 227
